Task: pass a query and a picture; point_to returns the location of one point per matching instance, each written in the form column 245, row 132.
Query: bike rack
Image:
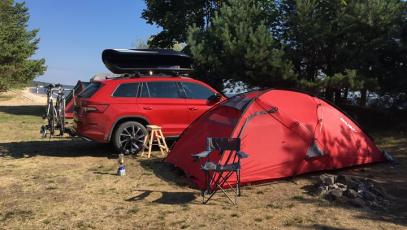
column 55, row 113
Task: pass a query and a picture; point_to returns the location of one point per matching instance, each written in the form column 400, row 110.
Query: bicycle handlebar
column 51, row 89
column 50, row 86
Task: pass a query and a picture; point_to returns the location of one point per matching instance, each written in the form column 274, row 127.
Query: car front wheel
column 129, row 137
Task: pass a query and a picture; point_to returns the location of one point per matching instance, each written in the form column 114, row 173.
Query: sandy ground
column 22, row 97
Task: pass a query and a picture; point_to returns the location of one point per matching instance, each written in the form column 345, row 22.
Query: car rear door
column 197, row 98
column 124, row 99
column 163, row 103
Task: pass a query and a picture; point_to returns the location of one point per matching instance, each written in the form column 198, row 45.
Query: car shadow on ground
column 56, row 148
column 31, row 110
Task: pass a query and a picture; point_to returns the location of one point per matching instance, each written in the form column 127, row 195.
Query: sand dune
column 22, row 97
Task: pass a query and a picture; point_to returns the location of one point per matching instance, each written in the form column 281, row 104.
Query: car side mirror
column 214, row 98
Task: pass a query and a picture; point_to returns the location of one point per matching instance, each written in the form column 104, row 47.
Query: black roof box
column 120, row 61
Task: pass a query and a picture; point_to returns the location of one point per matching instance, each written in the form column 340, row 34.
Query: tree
column 329, row 38
column 175, row 16
column 17, row 45
column 334, row 45
column 239, row 46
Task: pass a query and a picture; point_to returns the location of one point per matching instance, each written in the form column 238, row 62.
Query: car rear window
column 91, row 89
column 196, row 91
column 126, row 90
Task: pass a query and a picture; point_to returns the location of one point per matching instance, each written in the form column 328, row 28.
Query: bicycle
column 55, row 114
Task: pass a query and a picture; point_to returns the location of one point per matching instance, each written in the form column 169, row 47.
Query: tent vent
column 314, row 151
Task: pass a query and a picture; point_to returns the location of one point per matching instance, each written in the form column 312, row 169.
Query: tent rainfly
column 286, row 133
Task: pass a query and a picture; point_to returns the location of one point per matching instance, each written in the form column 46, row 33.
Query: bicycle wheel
column 51, row 120
column 61, row 117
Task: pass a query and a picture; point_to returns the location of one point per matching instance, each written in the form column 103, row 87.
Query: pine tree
column 175, row 17
column 239, row 46
column 17, row 45
column 342, row 44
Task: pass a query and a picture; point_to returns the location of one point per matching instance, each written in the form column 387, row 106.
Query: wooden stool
column 154, row 131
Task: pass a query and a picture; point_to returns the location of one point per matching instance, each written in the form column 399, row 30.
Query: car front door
column 197, row 98
column 163, row 103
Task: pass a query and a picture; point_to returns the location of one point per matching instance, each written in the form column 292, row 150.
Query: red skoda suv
column 118, row 110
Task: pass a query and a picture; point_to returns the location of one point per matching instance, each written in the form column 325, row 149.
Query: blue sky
column 74, row 33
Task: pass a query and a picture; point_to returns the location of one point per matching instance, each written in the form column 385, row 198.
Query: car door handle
column 147, row 108
column 193, row 108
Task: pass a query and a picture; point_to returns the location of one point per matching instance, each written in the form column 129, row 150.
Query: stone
column 348, row 181
column 357, row 202
column 327, row 179
column 361, row 188
column 368, row 196
column 378, row 191
column 374, row 205
column 334, row 194
column 333, row 186
column 341, row 186
column 350, row 193
column 321, row 190
column 368, row 183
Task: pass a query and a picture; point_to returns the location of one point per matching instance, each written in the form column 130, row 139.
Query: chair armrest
column 201, row 154
column 241, row 154
column 210, row 166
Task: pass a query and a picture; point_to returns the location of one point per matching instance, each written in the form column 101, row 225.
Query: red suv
column 118, row 110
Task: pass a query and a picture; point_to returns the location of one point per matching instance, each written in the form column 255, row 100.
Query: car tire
column 128, row 137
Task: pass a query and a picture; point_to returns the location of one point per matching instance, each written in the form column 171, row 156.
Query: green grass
column 19, row 123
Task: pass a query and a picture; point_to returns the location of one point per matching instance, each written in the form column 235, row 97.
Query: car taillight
column 95, row 108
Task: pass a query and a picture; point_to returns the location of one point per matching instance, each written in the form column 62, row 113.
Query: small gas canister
column 121, row 171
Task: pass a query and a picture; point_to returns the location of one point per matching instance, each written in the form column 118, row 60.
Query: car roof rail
column 137, row 75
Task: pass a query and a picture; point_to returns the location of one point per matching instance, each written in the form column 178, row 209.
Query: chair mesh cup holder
column 218, row 173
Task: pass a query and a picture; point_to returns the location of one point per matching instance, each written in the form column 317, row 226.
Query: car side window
column 164, row 89
column 144, row 90
column 196, row 91
column 126, row 90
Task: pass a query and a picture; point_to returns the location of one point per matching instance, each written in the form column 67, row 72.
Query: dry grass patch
column 71, row 184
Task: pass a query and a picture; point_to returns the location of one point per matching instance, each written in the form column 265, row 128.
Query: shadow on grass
column 59, row 147
column 31, row 110
column 62, row 148
column 322, row 227
column 166, row 197
column 166, row 171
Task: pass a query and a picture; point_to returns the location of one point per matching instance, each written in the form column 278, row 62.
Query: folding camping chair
column 218, row 173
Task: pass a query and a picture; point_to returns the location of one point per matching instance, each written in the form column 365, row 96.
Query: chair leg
column 204, row 192
column 221, row 180
column 238, row 182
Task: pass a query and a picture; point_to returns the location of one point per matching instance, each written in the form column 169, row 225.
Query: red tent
column 285, row 133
